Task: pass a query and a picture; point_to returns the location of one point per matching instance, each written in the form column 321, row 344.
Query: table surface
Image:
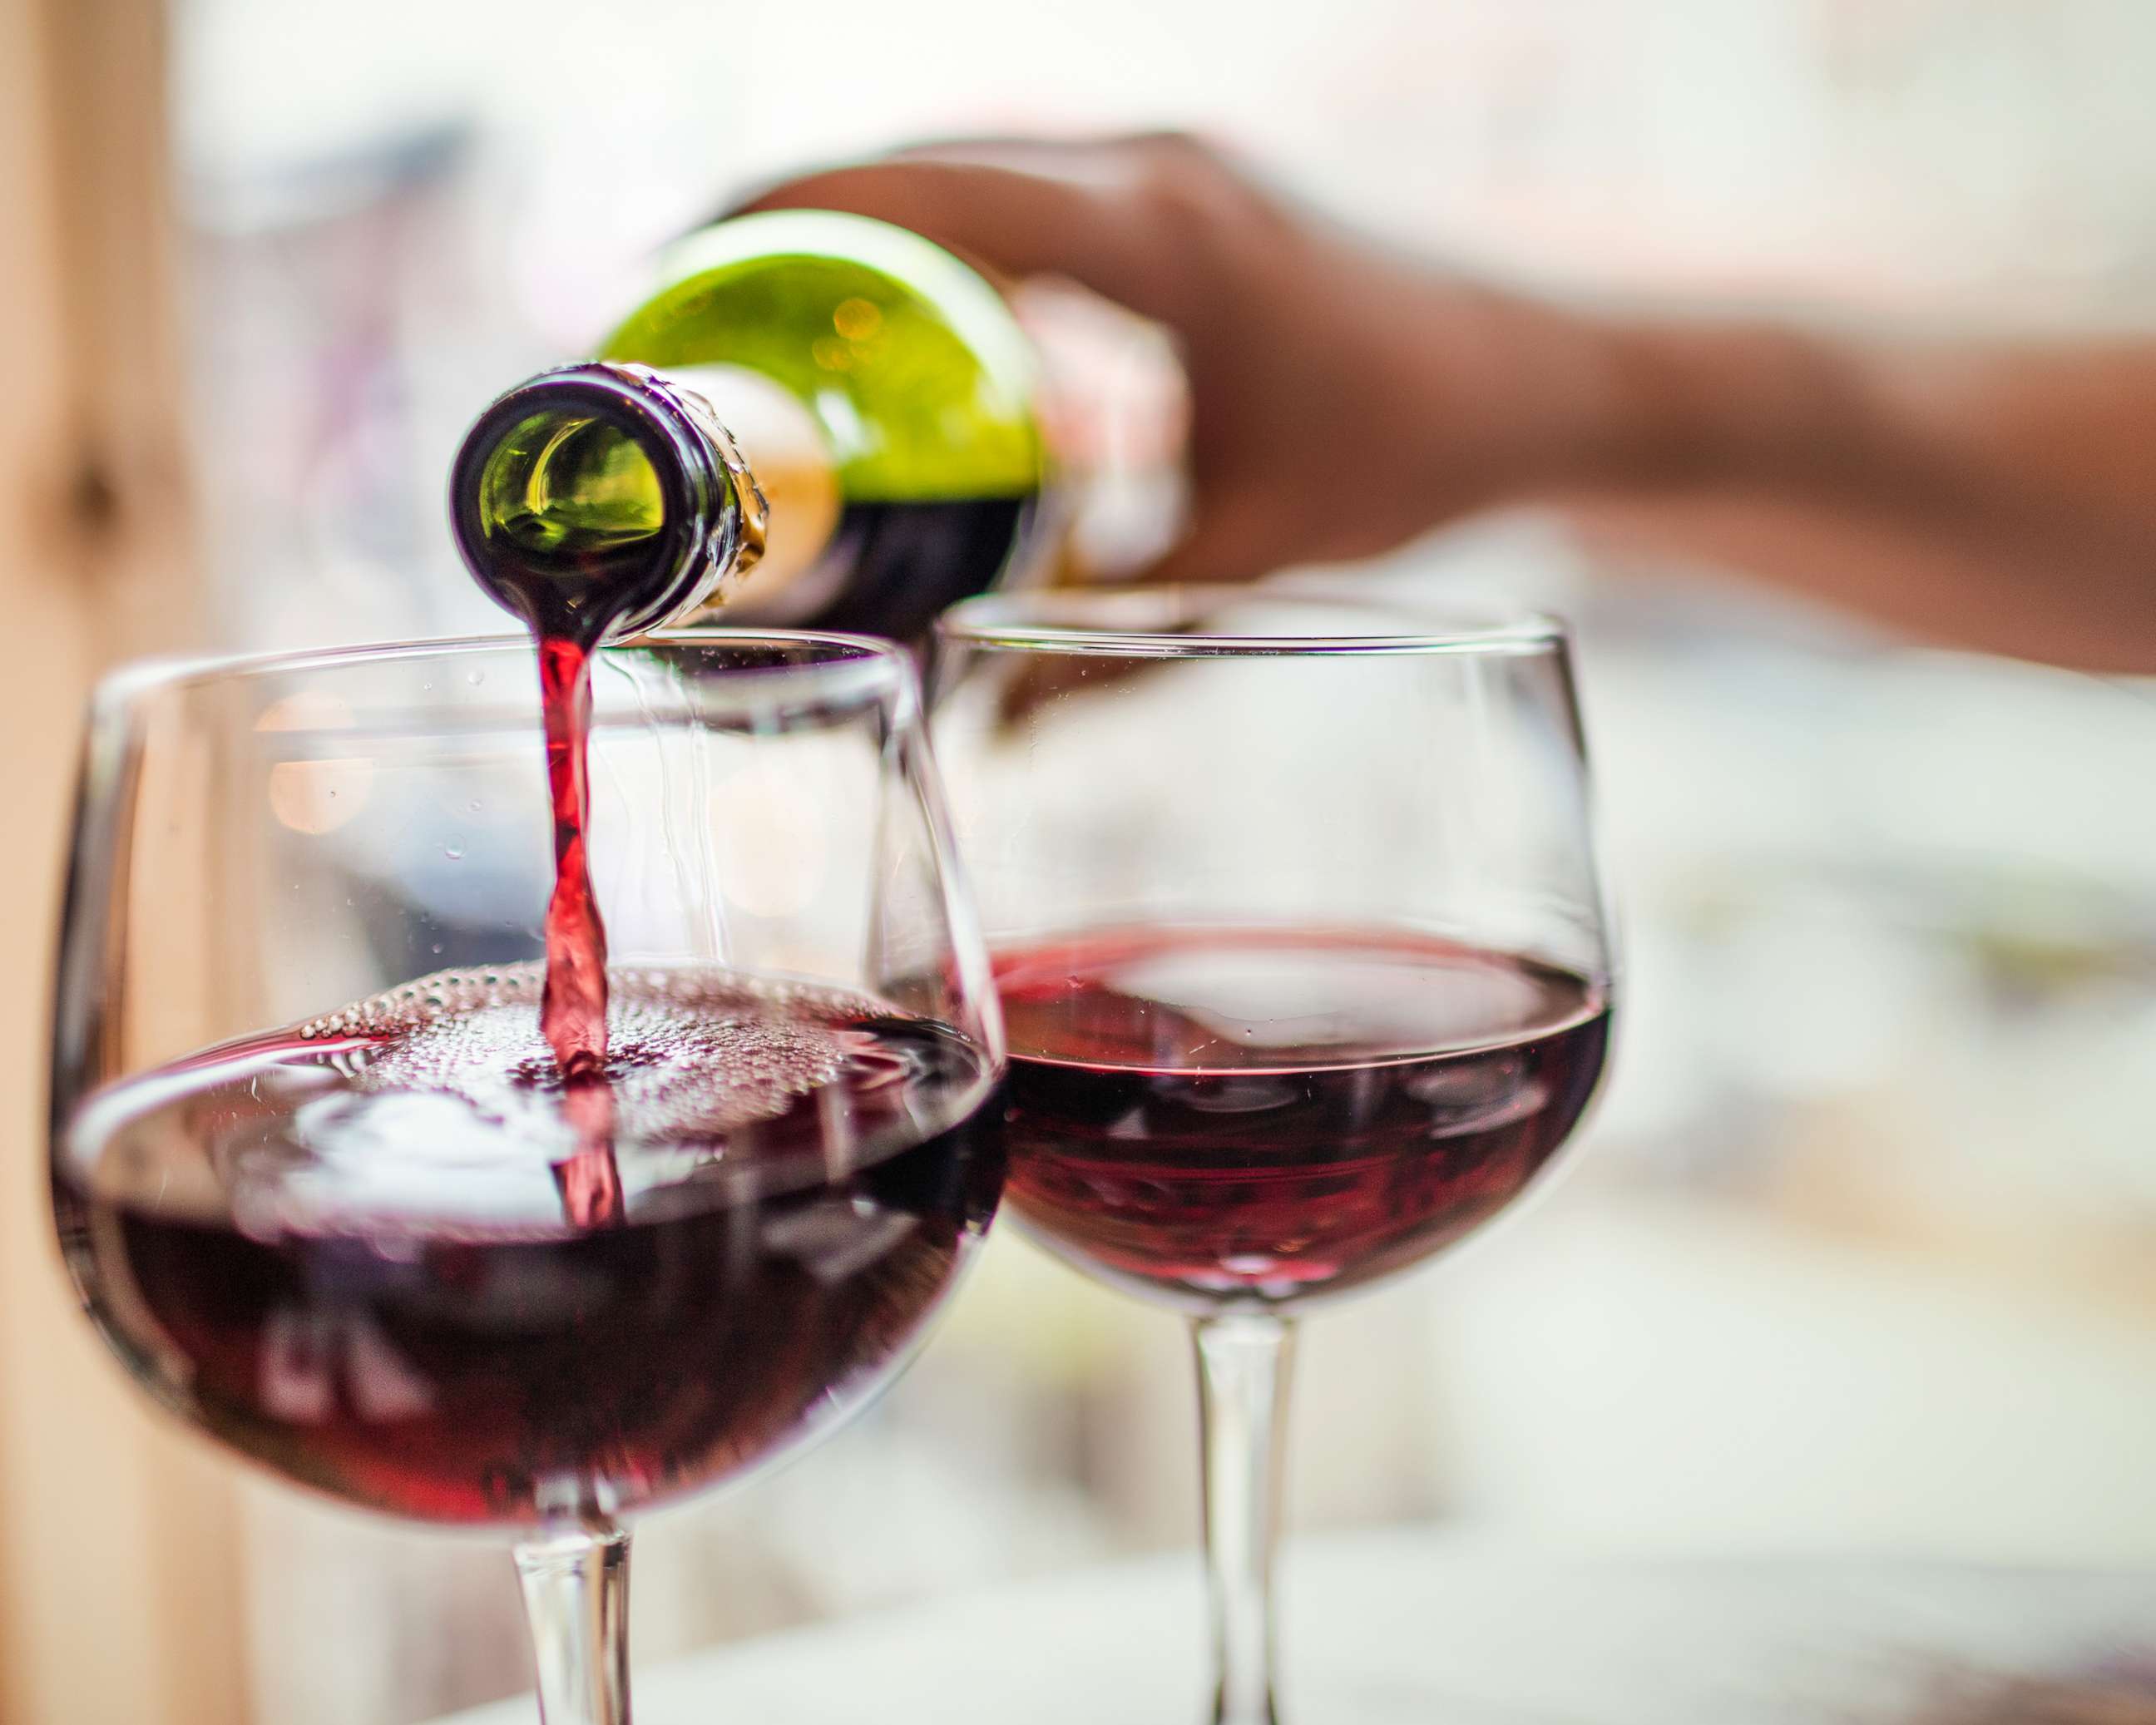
column 1408, row 1624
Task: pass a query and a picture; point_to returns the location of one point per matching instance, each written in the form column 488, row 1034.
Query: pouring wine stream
column 886, row 395
column 573, row 1008
column 593, row 504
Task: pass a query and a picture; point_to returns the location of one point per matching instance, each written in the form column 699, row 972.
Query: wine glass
column 1292, row 907
column 309, row 1156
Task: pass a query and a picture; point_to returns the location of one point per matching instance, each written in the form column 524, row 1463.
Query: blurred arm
column 1345, row 399
column 1995, row 494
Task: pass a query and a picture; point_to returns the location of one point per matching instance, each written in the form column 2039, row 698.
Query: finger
column 1079, row 220
column 974, row 149
column 1113, row 165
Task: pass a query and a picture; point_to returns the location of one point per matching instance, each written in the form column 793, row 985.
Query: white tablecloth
column 1407, row 1626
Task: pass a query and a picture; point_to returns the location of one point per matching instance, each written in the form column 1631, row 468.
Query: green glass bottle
column 817, row 420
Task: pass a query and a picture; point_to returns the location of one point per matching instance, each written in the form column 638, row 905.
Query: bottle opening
column 564, row 487
column 591, row 502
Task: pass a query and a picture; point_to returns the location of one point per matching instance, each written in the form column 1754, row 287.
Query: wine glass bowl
column 311, row 1156
column 1270, row 1169
column 1290, row 896
column 1291, row 901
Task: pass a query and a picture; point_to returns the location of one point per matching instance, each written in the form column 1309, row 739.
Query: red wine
column 340, row 1248
column 572, row 1010
column 1216, row 1116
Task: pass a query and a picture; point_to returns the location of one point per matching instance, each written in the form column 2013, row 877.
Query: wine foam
column 692, row 1053
column 439, row 1101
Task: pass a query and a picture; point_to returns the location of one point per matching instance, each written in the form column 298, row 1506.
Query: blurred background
column 1856, row 1255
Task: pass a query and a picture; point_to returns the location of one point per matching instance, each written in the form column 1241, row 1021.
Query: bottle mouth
column 570, row 487
column 590, row 502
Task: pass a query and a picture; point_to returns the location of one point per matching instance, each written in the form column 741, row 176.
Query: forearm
column 1932, row 585
column 1991, row 495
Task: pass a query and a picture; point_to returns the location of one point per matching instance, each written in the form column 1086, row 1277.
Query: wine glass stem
column 576, row 1598
column 1243, row 1363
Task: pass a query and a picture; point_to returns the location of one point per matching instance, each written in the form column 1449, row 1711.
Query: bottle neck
column 787, row 450
column 600, row 501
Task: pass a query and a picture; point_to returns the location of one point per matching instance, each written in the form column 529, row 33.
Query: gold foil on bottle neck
column 783, row 471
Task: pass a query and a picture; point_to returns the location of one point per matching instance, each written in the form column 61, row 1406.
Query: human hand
column 1343, row 398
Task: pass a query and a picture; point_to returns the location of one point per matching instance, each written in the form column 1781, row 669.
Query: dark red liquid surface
column 1260, row 1116
column 342, row 1251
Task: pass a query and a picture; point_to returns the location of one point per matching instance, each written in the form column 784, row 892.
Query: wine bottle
column 817, row 420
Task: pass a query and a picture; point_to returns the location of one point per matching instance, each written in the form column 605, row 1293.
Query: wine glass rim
column 1029, row 622
column 852, row 658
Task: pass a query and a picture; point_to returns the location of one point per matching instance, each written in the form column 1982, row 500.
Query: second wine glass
column 1294, row 917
